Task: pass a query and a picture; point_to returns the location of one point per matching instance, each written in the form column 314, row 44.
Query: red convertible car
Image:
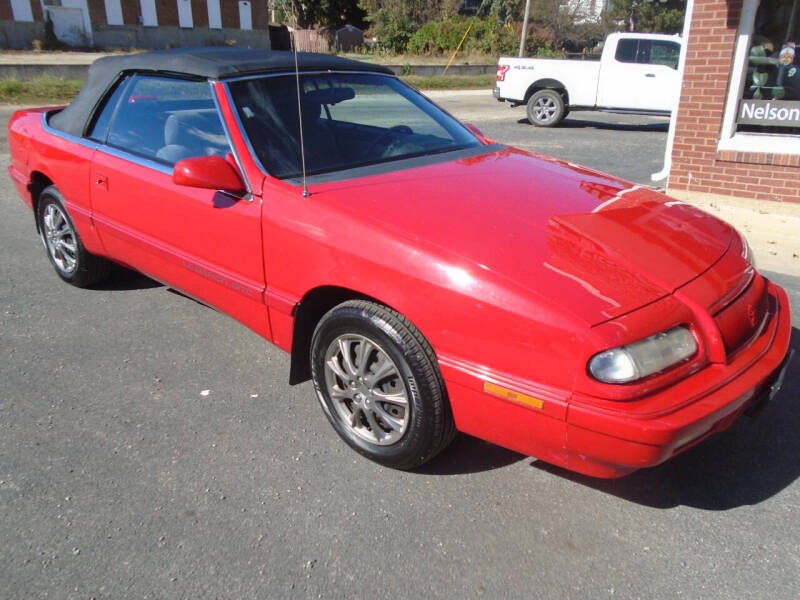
column 425, row 278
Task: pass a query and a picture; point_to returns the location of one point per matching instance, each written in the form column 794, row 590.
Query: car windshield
column 349, row 120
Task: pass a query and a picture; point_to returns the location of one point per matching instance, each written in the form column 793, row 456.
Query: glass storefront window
column 770, row 99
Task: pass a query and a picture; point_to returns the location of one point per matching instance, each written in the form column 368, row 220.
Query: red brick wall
column 5, row 12
column 37, row 10
column 697, row 165
column 230, row 13
column 97, row 11
column 199, row 13
column 167, row 11
column 130, row 12
column 260, row 16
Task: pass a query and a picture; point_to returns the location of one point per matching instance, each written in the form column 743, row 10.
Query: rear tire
column 378, row 383
column 546, row 108
column 71, row 261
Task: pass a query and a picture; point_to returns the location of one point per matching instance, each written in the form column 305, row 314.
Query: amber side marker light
column 507, row 394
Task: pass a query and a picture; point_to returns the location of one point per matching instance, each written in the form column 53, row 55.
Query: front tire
column 377, row 381
column 546, row 108
column 71, row 261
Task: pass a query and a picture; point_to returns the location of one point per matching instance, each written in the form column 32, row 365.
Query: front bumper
column 612, row 443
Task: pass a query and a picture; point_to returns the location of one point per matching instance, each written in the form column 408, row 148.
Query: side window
column 167, row 119
column 627, row 50
column 99, row 129
column 665, row 53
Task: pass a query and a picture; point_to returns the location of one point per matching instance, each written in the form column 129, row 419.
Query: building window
column 771, row 96
column 763, row 109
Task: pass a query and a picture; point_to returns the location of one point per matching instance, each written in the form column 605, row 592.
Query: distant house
column 135, row 23
column 587, row 11
column 349, row 38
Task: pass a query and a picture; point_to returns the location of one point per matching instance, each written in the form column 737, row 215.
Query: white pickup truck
column 636, row 73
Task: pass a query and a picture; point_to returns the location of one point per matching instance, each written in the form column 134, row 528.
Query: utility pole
column 524, row 33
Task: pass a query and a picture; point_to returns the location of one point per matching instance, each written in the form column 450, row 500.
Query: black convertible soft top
column 207, row 63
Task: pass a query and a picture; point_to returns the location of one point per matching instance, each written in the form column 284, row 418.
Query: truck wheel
column 72, row 262
column 377, row 381
column 546, row 108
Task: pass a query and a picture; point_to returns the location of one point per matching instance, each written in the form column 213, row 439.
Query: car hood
column 596, row 245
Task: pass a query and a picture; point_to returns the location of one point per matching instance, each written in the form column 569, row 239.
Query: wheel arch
column 308, row 312
column 548, row 84
column 38, row 182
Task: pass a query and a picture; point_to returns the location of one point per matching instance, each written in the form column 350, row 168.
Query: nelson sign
column 774, row 113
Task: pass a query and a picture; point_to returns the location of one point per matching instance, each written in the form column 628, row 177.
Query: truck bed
column 581, row 75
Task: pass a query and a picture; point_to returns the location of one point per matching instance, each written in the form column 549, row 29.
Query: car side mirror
column 209, row 172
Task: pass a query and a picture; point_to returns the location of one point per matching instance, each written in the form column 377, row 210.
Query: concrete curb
column 32, row 69
column 26, row 72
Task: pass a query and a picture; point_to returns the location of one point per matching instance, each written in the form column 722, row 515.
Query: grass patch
column 380, row 58
column 42, row 90
column 451, row 82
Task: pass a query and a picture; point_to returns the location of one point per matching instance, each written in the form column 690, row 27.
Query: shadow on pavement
column 572, row 123
column 747, row 464
column 467, row 454
column 122, row 279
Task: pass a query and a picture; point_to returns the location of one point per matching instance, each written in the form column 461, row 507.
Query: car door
column 642, row 75
column 203, row 242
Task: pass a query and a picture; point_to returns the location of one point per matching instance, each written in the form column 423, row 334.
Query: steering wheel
column 386, row 134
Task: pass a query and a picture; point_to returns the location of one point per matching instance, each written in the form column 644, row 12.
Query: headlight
column 645, row 357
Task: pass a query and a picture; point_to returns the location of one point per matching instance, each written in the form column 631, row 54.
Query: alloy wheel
column 367, row 389
column 59, row 238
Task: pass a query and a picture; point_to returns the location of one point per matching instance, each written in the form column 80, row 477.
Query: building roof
column 206, row 62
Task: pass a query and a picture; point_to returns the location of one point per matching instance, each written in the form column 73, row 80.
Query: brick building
column 135, row 23
column 737, row 132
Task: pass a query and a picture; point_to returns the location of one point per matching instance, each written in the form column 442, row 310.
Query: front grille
column 742, row 320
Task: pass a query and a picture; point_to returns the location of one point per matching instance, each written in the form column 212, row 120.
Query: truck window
column 664, row 53
column 648, row 52
column 626, row 50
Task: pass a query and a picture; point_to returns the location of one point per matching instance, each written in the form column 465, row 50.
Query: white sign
column 773, row 113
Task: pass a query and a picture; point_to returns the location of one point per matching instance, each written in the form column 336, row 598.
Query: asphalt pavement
column 629, row 146
column 151, row 447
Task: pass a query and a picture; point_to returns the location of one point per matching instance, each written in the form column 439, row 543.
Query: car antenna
column 306, row 193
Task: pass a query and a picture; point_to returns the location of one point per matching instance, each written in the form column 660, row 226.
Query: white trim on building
column 21, row 10
column 245, row 15
column 114, row 12
column 185, row 13
column 149, row 16
column 214, row 14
